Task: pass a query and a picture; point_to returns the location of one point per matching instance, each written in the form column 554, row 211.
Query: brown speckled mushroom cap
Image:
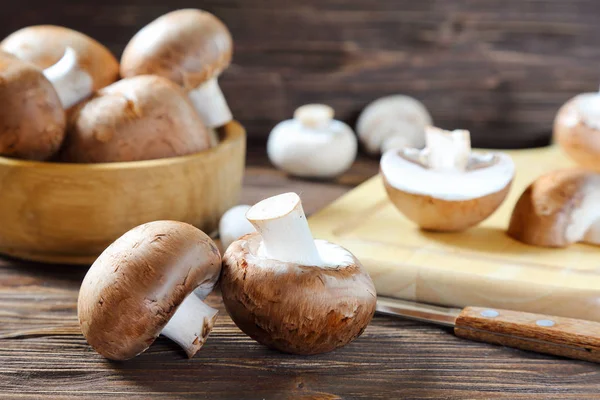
column 187, row 46
column 136, row 285
column 560, row 208
column 44, row 45
column 141, row 118
column 293, row 308
column 32, row 120
column 577, row 138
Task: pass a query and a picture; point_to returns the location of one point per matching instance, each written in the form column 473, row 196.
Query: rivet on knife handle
column 559, row 336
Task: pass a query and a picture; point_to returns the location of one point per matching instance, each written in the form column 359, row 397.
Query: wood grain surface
column 42, row 355
column 500, row 68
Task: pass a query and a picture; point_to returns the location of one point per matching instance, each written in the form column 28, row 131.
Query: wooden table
column 43, row 355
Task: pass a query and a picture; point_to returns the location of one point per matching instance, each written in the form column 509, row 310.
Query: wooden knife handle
column 559, row 336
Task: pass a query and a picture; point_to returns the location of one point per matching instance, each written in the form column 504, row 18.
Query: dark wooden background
column 499, row 67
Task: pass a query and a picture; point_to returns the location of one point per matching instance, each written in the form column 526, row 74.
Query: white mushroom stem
column 190, row 325
column 585, row 220
column 315, row 116
column 210, row 103
column 447, row 150
column 286, row 236
column 72, row 84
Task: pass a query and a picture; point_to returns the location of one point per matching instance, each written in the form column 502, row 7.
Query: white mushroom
column 446, row 187
column 393, row 122
column 234, row 224
column 312, row 144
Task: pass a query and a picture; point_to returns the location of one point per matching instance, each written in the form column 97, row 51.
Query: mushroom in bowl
column 290, row 292
column 190, row 47
column 560, row 208
column 76, row 64
column 32, row 121
column 577, row 129
column 141, row 118
column 150, row 281
column 446, row 187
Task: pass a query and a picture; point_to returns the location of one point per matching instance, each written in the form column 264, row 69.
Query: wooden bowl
column 69, row 213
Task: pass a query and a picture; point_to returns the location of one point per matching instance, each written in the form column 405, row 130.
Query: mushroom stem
column 316, row 116
column 592, row 236
column 72, row 84
column 585, row 221
column 281, row 222
column 447, row 150
column 210, row 103
column 191, row 324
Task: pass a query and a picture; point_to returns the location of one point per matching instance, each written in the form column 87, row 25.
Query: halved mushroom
column 76, row 64
column 290, row 292
column 190, row 47
column 577, row 129
column 32, row 121
column 393, row 122
column 150, row 281
column 560, row 208
column 141, row 118
column 446, row 187
column 312, row 144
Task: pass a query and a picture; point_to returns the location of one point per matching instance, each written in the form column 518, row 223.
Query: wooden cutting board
column 479, row 267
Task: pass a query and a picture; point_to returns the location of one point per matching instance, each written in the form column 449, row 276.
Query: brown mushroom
column 577, row 129
column 32, row 121
column 190, row 47
column 75, row 63
column 150, row 281
column 140, row 118
column 446, row 187
column 290, row 292
column 560, row 208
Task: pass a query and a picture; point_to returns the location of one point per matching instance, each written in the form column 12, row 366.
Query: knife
column 559, row 336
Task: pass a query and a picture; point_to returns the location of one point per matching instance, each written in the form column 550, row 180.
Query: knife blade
column 559, row 336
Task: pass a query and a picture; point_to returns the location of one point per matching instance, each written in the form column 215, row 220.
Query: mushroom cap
column 558, row 209
column 187, row 46
column 136, row 285
column 576, row 132
column 392, row 121
column 32, row 119
column 293, row 308
column 44, row 45
column 446, row 200
column 140, row 118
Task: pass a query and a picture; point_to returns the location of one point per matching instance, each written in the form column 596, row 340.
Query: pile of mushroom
column 577, row 129
column 560, row 208
column 393, row 122
column 150, row 281
column 446, row 187
column 140, row 117
column 312, row 144
column 290, row 292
